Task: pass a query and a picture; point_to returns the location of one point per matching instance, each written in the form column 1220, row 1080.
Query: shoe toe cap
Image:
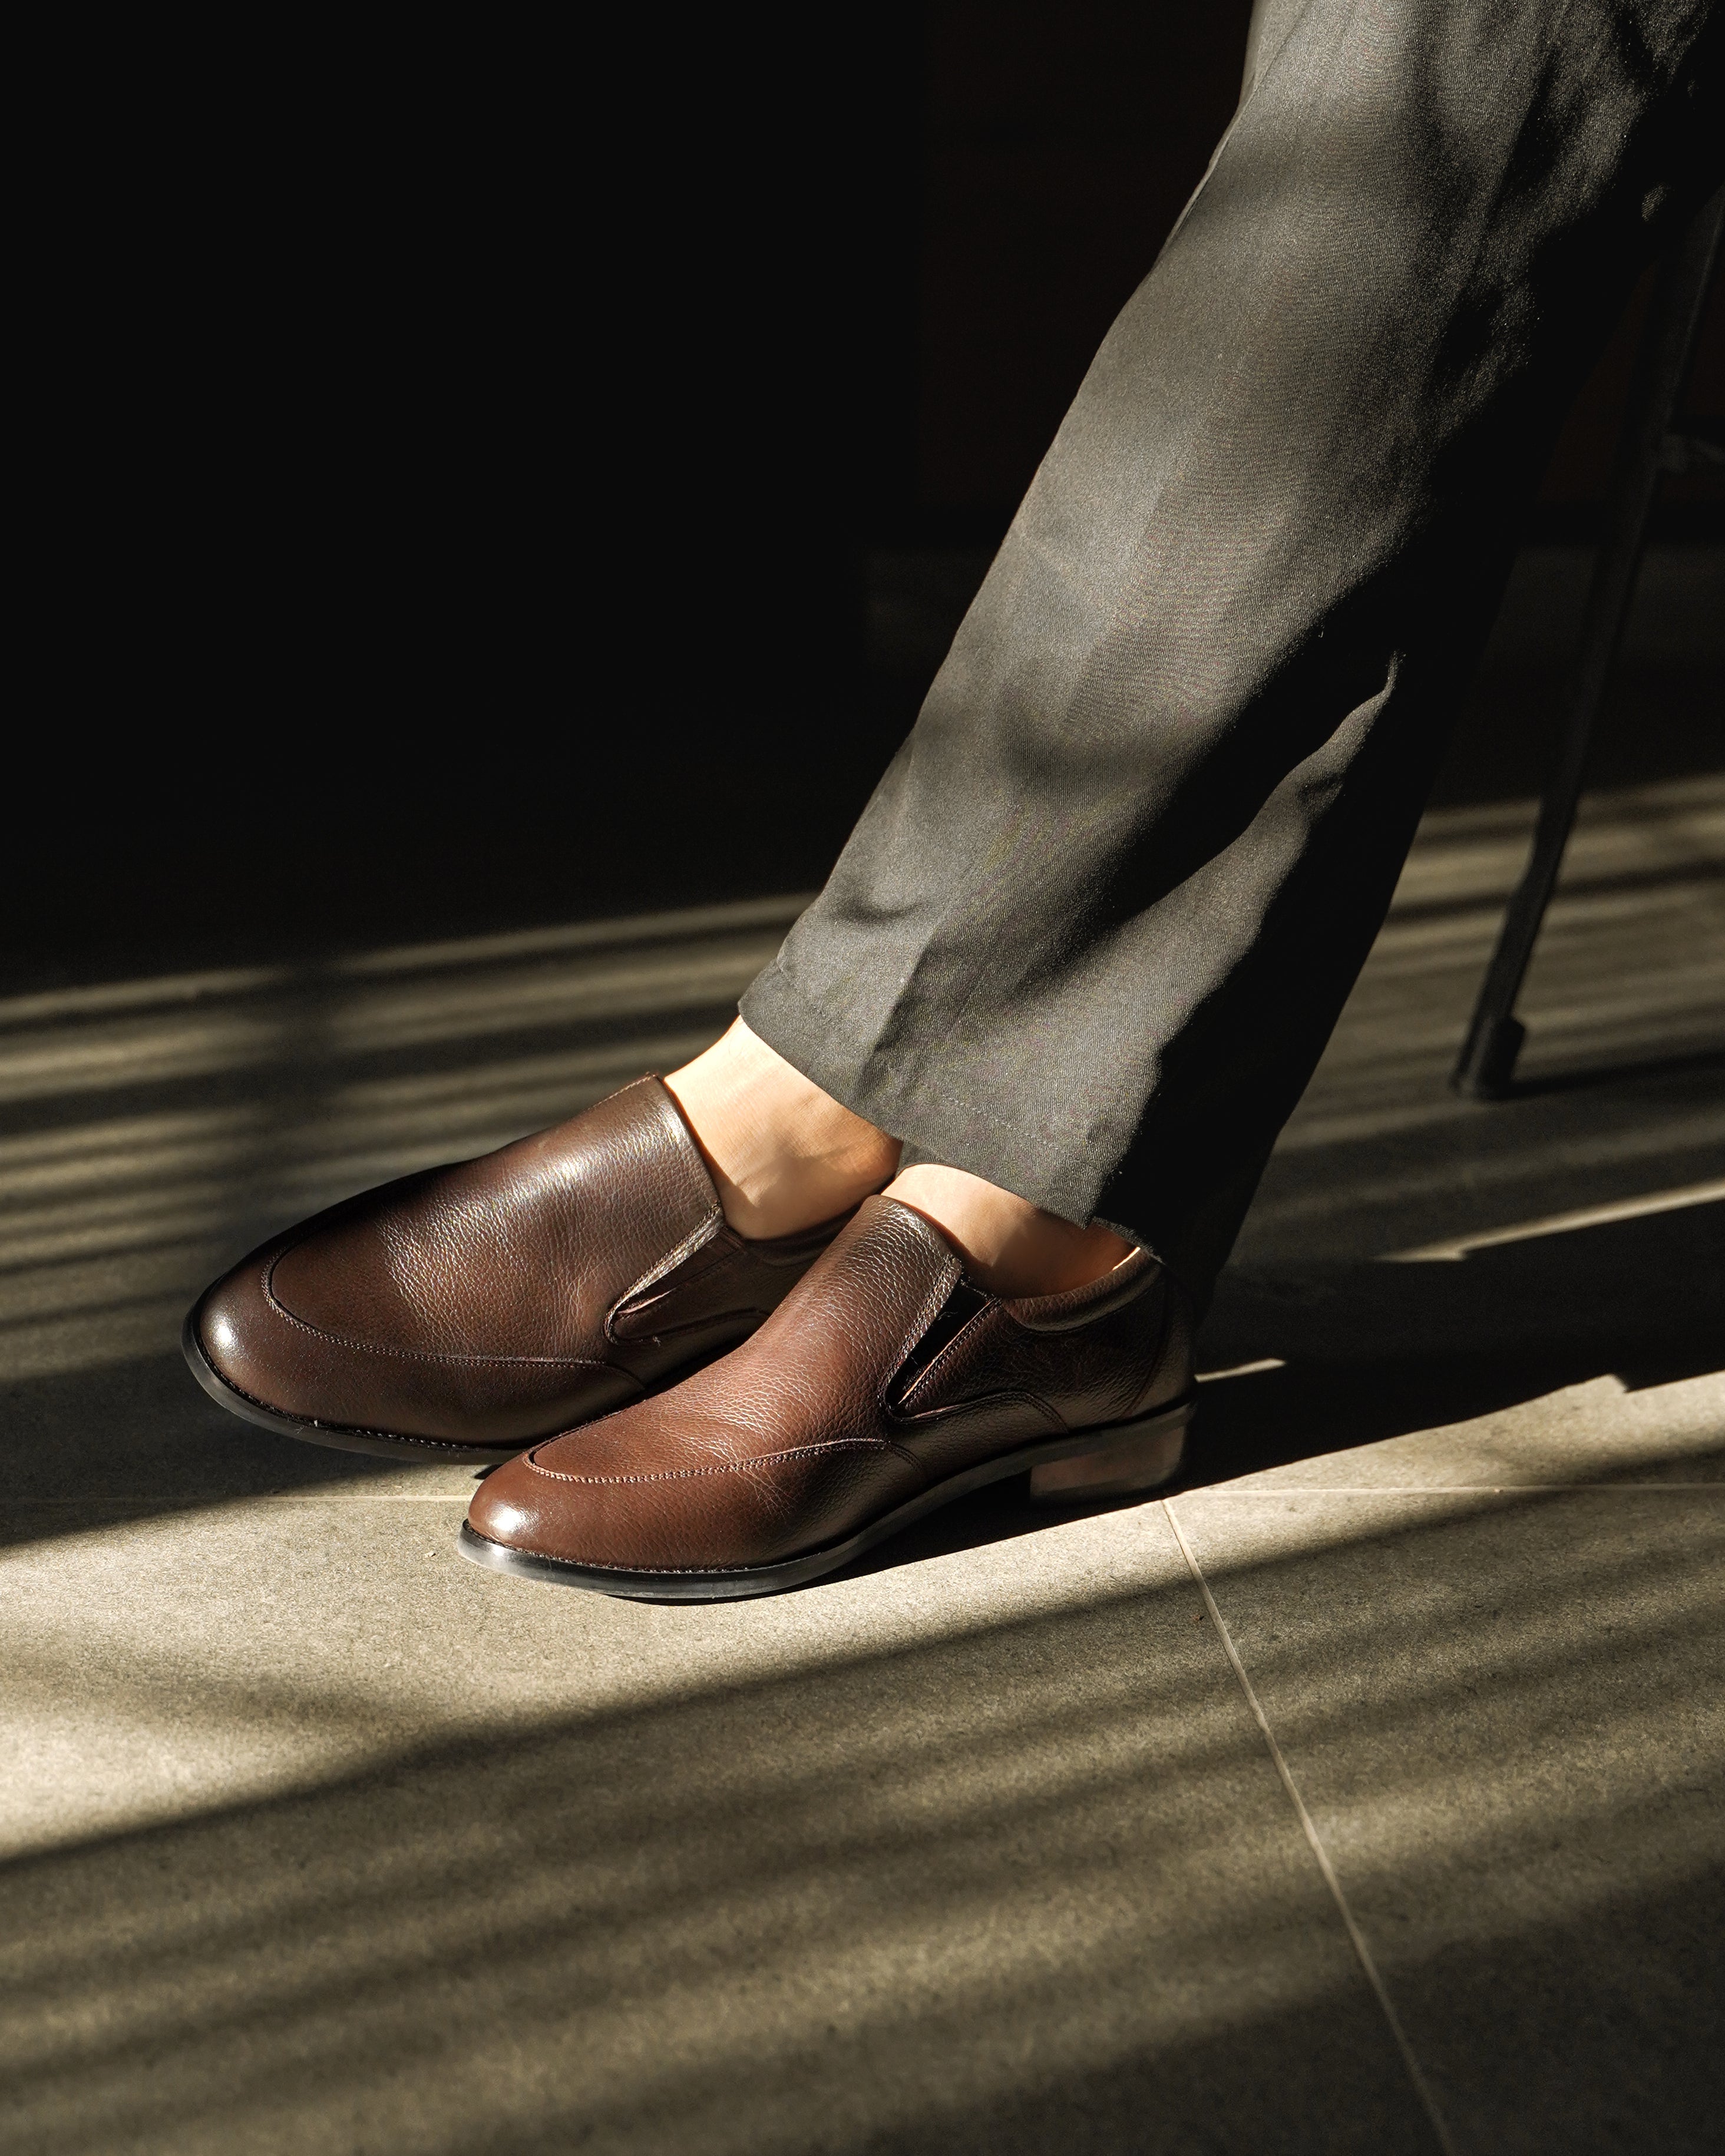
column 261, row 1357
column 255, row 1349
column 541, row 1510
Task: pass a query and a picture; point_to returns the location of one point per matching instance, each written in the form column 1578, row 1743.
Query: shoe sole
column 738, row 1584
column 380, row 1444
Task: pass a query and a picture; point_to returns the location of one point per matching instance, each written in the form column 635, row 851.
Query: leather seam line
column 661, row 1267
column 420, row 1355
column 933, row 1301
column 925, row 1375
column 725, row 1467
column 1122, row 1297
column 1015, row 1396
column 719, row 1316
column 689, row 1155
column 909, row 1458
column 1162, row 1343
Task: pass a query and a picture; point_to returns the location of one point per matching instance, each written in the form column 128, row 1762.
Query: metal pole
column 1486, row 1064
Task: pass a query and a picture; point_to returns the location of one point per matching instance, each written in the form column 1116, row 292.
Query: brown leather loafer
column 463, row 1312
column 884, row 1386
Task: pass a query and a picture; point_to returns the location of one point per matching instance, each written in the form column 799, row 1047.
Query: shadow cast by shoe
column 1358, row 1353
column 1349, row 1355
column 135, row 1439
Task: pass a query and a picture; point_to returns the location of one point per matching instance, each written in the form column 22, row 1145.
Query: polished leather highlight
column 802, row 1436
column 468, row 1310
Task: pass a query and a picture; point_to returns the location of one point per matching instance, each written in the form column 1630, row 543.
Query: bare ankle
column 783, row 1155
column 1008, row 1246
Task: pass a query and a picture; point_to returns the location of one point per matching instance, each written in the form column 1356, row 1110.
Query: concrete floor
column 1367, row 1794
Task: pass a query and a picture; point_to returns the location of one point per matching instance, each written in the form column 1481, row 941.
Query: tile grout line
column 1426, row 1489
column 253, row 1497
column 1257, row 1495
column 1363, row 1952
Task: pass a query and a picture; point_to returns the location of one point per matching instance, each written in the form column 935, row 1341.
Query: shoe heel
column 1138, row 1456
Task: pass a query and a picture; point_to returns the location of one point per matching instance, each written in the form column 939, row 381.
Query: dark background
column 473, row 471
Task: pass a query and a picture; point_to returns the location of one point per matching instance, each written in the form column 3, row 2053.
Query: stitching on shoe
column 533, row 1362
column 723, row 1467
column 910, row 1425
column 693, row 1240
column 1065, row 1312
column 924, row 1375
column 627, row 1087
column 933, row 1302
column 1163, row 1337
column 689, row 1154
column 414, row 1354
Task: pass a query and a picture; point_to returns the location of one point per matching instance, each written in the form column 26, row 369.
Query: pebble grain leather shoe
column 463, row 1312
column 884, row 1385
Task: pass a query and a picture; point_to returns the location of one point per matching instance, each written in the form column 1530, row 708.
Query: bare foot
column 783, row 1154
column 1008, row 1246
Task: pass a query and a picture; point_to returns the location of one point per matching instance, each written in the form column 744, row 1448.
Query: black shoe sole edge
column 379, row 1443
column 740, row 1584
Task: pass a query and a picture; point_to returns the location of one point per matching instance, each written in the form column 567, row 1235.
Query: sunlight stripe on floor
column 1559, row 1223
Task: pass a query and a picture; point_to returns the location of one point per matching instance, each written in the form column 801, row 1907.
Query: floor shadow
column 102, row 1448
column 1366, row 1352
column 1696, row 1063
column 1026, row 1882
column 1374, row 1351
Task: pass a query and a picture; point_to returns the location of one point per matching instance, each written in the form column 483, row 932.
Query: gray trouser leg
column 1092, row 931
